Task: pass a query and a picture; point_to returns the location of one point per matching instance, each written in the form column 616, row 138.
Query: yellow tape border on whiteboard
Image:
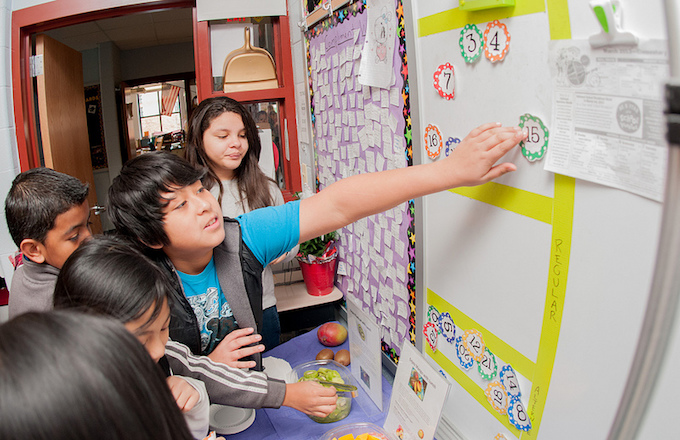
column 455, row 18
column 540, row 372
column 522, row 202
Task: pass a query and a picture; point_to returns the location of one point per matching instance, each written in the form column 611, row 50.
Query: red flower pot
column 319, row 275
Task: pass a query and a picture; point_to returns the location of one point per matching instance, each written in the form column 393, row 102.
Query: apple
column 332, row 334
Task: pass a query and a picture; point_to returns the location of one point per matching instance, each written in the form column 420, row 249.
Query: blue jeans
column 271, row 328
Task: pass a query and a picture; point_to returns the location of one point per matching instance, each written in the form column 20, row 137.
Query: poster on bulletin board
column 358, row 82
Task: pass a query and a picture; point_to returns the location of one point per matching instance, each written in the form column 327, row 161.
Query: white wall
column 9, row 160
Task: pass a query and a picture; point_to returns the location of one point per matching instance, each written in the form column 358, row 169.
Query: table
column 289, row 424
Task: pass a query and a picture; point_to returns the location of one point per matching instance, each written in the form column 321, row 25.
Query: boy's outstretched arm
column 473, row 162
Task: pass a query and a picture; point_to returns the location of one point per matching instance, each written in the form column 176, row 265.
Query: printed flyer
column 418, row 396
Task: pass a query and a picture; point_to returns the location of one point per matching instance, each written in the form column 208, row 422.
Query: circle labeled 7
column 444, row 81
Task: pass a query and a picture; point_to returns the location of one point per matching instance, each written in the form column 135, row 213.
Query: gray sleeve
column 226, row 385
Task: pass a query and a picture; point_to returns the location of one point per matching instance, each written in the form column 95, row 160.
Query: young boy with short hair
column 48, row 217
column 158, row 200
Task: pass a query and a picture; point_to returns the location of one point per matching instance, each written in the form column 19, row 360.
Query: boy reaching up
column 48, row 217
column 159, row 201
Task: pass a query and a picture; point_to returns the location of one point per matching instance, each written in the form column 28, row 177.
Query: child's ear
column 152, row 246
column 33, row 249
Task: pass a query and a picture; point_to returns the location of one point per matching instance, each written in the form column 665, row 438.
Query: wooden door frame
column 44, row 17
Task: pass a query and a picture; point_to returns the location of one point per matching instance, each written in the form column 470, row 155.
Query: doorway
column 157, row 114
column 149, row 46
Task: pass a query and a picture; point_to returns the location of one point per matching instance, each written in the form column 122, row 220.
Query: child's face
column 225, row 144
column 152, row 334
column 70, row 229
column 192, row 221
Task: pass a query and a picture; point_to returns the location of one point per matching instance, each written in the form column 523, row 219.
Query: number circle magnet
column 497, row 397
column 445, row 82
column 500, row 436
column 471, row 43
column 430, row 332
column 518, row 415
column 474, row 344
column 464, row 357
column 509, row 381
column 451, row 144
column 487, row 367
column 496, row 41
column 536, row 143
column 433, row 141
column 447, row 328
column 433, row 315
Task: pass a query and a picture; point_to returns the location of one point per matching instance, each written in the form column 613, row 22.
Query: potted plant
column 317, row 258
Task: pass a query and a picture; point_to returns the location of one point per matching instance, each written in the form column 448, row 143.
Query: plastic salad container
column 330, row 371
column 357, row 431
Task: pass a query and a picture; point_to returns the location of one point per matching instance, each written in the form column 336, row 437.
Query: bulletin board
column 360, row 129
column 527, row 267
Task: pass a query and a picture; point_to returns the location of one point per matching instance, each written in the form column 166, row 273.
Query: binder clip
column 608, row 13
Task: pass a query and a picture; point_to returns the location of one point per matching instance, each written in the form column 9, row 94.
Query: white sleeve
column 198, row 417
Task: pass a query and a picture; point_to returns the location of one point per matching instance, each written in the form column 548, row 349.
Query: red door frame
column 40, row 18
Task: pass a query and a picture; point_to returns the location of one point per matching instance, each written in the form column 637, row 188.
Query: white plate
column 230, row 419
column 276, row 368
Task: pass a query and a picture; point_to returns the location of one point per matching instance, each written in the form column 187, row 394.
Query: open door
column 63, row 121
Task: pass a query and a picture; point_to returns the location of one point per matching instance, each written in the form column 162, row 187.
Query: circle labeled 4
column 433, row 141
column 471, row 43
column 496, row 41
column 536, row 143
column 444, row 81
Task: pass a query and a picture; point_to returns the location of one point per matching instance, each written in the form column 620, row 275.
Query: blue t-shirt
column 269, row 233
column 214, row 316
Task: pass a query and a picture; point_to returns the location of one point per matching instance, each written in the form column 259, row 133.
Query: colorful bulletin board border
column 338, row 17
column 557, row 211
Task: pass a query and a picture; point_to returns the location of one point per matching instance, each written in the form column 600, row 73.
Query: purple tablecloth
column 287, row 423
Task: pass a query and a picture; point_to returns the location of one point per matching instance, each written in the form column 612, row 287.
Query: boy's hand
column 311, row 398
column 234, row 346
column 185, row 395
column 474, row 159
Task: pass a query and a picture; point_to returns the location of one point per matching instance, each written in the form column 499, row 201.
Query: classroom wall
column 9, row 159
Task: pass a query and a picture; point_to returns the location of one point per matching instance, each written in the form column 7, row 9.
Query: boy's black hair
column 36, row 198
column 135, row 203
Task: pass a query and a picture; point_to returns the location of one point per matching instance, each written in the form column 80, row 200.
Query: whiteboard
column 492, row 268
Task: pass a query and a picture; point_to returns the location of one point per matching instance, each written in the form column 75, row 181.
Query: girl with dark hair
column 107, row 276
column 93, row 281
column 223, row 138
column 81, row 377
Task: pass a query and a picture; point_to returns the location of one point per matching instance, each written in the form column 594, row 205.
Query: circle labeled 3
column 471, row 43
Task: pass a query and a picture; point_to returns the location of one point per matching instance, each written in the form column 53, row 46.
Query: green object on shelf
column 476, row 5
